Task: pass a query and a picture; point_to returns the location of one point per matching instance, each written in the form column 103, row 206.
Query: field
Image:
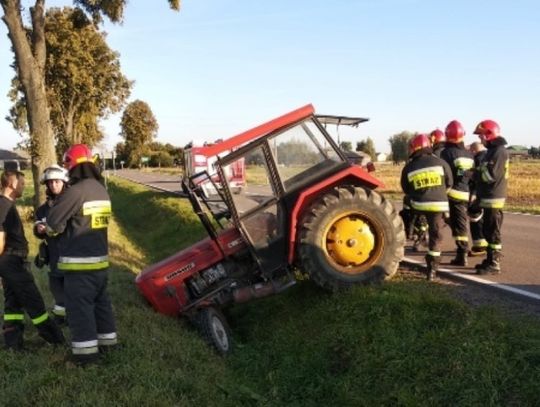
column 405, row 342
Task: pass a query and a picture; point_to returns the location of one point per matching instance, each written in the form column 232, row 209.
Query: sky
column 217, row 67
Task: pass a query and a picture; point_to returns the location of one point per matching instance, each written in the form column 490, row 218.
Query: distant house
column 21, row 157
column 380, row 157
column 518, row 153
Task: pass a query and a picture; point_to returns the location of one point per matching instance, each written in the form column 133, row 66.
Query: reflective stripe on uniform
column 461, row 238
column 107, row 339
column 40, row 319
column 486, row 176
column 495, row 203
column 495, row 246
column 83, row 266
column 431, row 206
column 433, row 254
column 464, row 163
column 458, row 195
column 13, row 317
column 85, row 347
column 58, row 310
column 83, row 263
column 480, row 243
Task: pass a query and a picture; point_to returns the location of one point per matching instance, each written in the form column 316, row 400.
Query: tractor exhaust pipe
column 261, row 290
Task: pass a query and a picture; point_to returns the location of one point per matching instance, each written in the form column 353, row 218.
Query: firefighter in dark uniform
column 20, row 291
column 438, row 141
column 81, row 217
column 55, row 179
column 492, row 182
column 425, row 180
column 461, row 163
column 476, row 221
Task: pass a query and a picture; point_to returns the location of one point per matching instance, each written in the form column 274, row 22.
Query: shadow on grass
column 157, row 223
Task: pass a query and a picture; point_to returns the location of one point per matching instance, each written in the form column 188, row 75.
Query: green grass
column 406, row 342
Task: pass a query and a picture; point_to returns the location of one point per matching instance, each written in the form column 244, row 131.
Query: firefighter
column 476, row 222
column 81, row 217
column 425, row 180
column 492, row 181
column 20, row 291
column 461, row 163
column 438, row 141
column 55, row 179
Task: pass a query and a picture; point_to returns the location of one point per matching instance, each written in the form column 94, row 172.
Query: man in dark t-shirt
column 20, row 291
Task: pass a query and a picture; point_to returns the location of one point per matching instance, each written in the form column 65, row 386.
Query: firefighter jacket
column 52, row 241
column 425, row 180
column 492, row 175
column 478, row 158
column 461, row 163
column 81, row 215
column 438, row 148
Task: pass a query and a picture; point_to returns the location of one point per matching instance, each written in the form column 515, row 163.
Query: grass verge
column 402, row 343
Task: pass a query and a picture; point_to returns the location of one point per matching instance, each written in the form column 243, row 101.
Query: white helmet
column 54, row 172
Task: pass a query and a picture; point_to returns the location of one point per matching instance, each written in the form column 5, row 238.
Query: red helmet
column 418, row 142
column 437, row 136
column 454, row 132
column 488, row 129
column 77, row 154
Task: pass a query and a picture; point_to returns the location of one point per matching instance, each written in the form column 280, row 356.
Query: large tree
column 30, row 56
column 83, row 80
column 367, row 146
column 399, row 143
column 138, row 128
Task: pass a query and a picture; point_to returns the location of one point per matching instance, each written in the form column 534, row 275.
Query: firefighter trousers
column 459, row 222
column 21, row 294
column 435, row 225
column 89, row 312
column 493, row 220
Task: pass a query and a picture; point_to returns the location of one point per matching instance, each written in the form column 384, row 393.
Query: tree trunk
column 30, row 60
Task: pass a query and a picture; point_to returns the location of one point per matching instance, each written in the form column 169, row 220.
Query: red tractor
column 305, row 210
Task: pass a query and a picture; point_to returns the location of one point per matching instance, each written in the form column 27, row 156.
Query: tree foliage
column 83, row 80
column 30, row 57
column 399, row 144
column 345, row 145
column 368, row 147
column 296, row 153
column 138, row 128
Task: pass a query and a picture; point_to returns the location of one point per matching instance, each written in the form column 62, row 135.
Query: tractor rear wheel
column 214, row 329
column 350, row 235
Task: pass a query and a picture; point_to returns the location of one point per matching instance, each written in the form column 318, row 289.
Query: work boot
column 494, row 267
column 486, row 261
column 460, row 259
column 49, row 331
column 14, row 337
column 432, row 263
column 86, row 360
column 477, row 251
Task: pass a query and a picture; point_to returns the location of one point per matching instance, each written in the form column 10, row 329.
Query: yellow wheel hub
column 349, row 241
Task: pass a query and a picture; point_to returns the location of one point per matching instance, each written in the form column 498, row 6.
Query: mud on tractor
column 305, row 209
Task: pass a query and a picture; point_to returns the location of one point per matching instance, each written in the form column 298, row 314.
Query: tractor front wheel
column 350, row 235
column 214, row 329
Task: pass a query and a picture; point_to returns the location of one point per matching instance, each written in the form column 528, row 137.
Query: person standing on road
column 55, row 179
column 438, row 141
column 20, row 291
column 492, row 183
column 81, row 217
column 475, row 212
column 461, row 163
column 425, row 180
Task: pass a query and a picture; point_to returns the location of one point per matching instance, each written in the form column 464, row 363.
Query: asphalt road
column 521, row 243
